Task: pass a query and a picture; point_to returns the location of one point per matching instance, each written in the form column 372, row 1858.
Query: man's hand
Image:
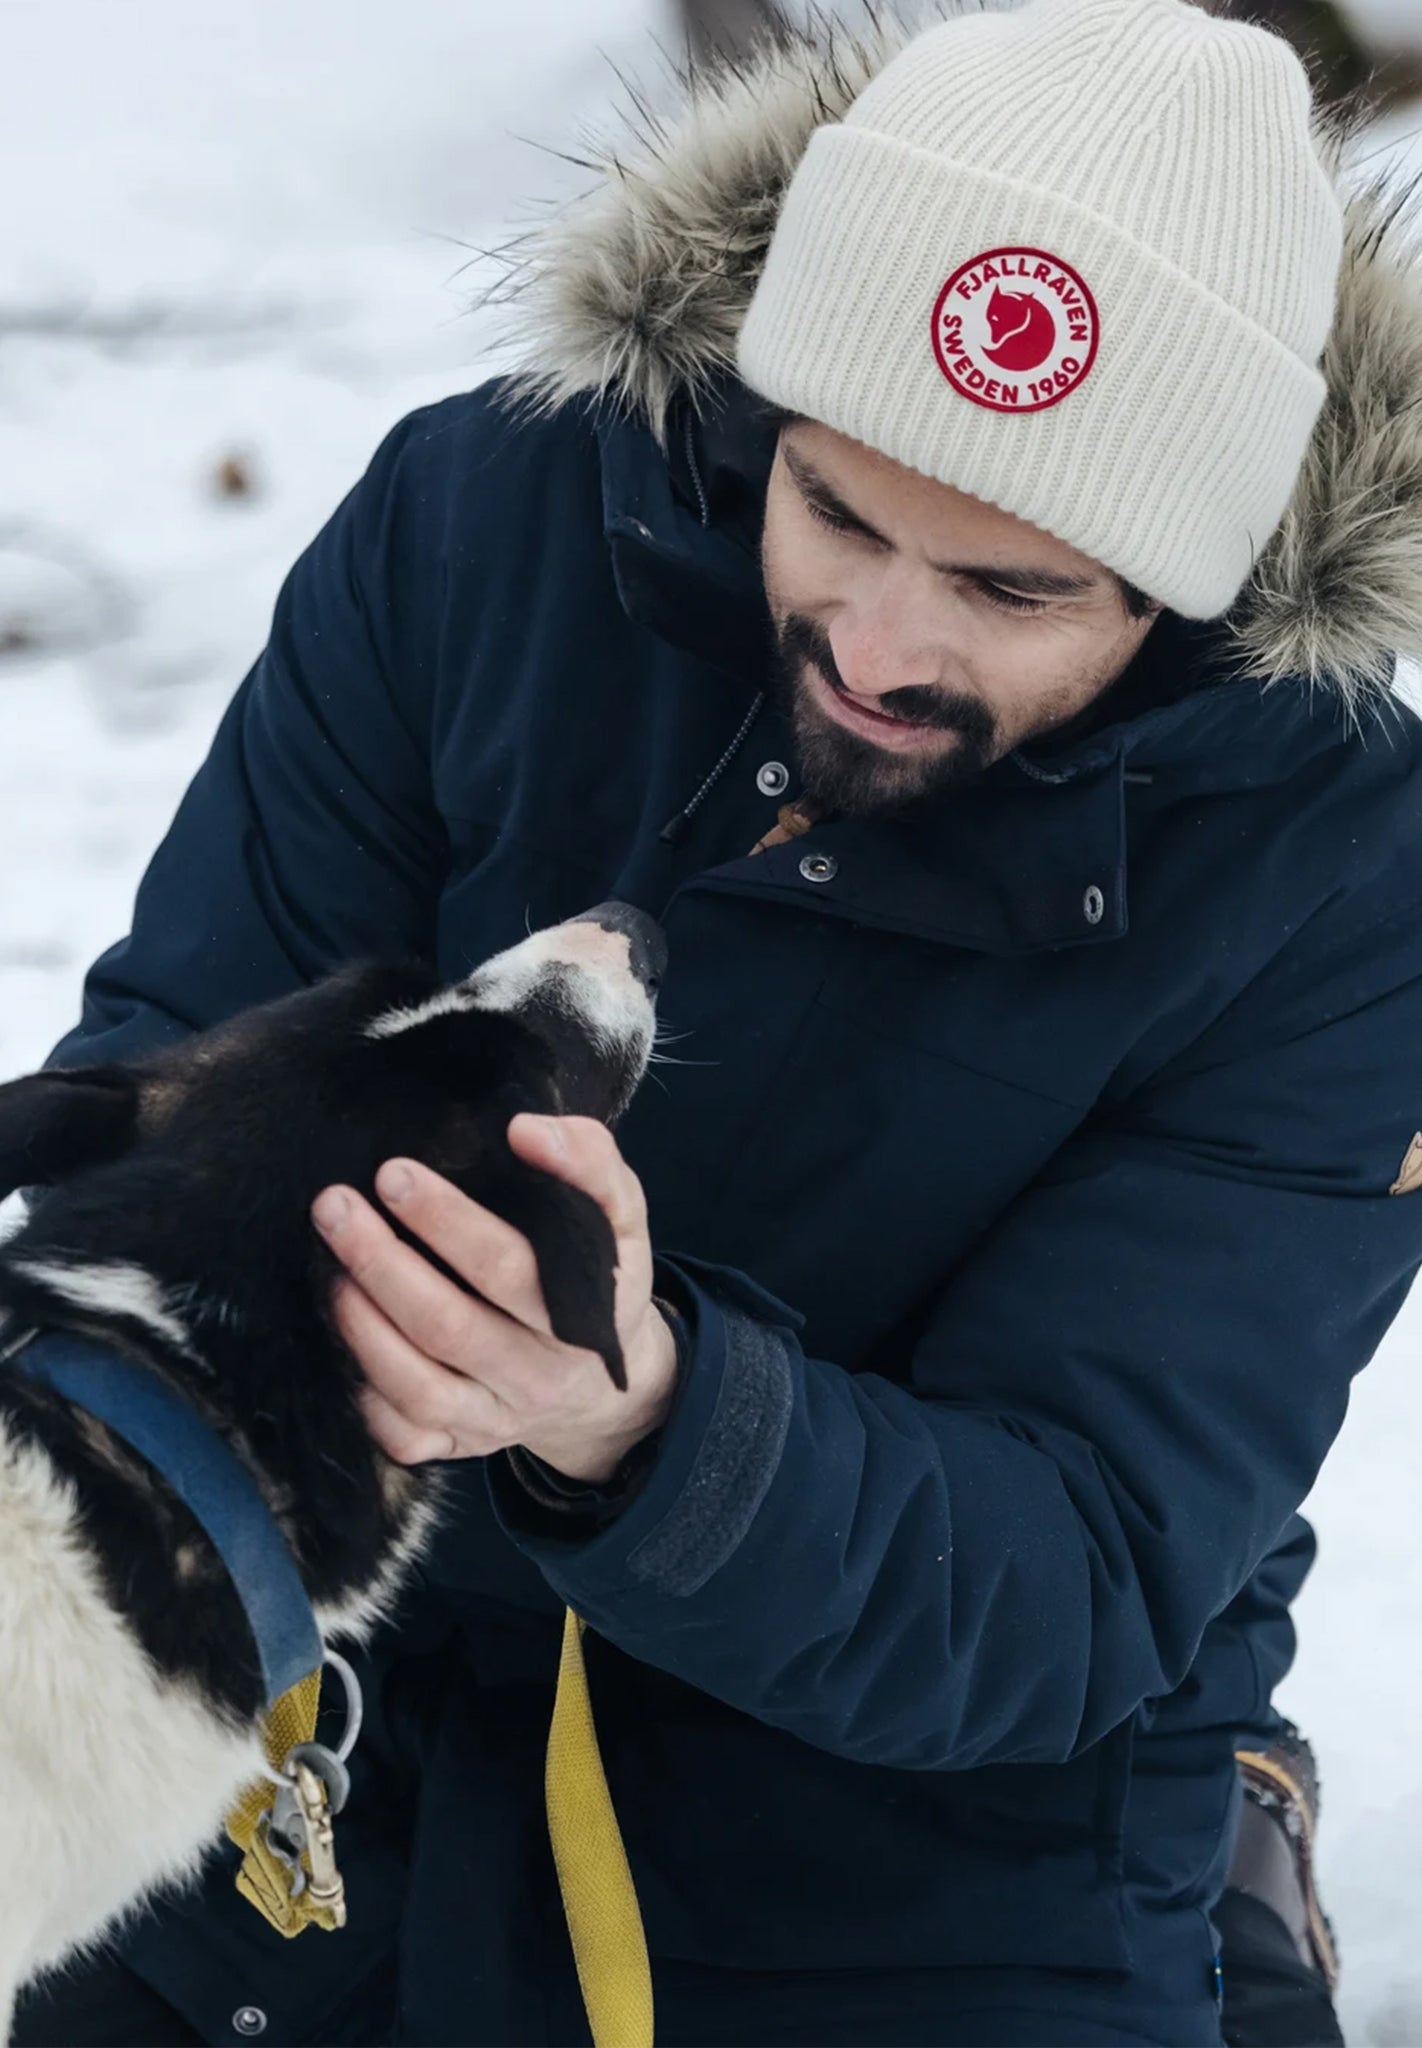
column 452, row 1377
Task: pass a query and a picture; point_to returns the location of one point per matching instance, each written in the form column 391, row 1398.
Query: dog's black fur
column 197, row 1167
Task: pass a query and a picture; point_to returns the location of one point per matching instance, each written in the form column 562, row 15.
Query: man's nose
column 873, row 659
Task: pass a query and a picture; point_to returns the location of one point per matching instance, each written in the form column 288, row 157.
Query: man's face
column 922, row 634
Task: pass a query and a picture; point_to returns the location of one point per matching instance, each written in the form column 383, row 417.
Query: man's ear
column 576, row 1252
column 54, row 1123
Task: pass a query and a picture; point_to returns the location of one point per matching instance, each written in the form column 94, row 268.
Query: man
column 1035, row 1166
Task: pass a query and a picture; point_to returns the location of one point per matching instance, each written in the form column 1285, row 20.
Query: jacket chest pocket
column 913, row 1093
column 881, row 1162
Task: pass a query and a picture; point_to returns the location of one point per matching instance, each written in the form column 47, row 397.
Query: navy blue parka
column 1026, row 1187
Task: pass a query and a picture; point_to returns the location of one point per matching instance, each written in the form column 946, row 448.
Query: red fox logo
column 1023, row 330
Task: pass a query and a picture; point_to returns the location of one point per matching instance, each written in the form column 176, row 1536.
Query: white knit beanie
column 1077, row 258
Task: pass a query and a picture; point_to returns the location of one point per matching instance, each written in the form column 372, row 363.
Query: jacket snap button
column 773, row 778
column 1094, row 904
column 819, row 867
column 249, row 2020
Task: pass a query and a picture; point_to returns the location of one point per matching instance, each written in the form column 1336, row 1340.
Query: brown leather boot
column 1278, row 1955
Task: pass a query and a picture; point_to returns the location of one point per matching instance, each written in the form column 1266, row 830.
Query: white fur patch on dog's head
column 582, row 969
column 449, row 1002
column 590, row 969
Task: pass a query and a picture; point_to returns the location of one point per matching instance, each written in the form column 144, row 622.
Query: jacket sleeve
column 308, row 836
column 1110, row 1417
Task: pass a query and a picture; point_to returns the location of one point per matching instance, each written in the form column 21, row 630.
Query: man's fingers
column 436, row 1405
column 583, row 1152
column 400, row 1439
column 495, row 1259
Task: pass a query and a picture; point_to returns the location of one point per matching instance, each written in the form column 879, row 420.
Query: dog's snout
column 646, row 943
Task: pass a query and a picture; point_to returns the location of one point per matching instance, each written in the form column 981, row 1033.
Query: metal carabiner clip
column 327, row 1887
column 312, row 1787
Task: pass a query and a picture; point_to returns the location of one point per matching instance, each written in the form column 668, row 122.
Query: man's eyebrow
column 1026, row 577
column 814, row 486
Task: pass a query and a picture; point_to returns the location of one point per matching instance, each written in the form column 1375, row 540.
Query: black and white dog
column 171, row 1223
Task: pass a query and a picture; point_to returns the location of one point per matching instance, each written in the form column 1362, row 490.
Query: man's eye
column 995, row 593
column 832, row 520
column 1008, row 599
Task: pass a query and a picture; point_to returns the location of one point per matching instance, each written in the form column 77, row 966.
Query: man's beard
column 851, row 775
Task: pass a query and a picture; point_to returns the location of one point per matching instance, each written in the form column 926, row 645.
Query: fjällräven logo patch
column 1015, row 330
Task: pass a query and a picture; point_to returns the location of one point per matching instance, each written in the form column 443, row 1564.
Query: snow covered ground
column 237, row 231
column 232, row 230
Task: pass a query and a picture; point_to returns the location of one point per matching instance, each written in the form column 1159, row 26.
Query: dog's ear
column 576, row 1252
column 54, row 1123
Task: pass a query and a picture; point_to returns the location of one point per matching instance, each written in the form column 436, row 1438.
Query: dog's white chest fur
column 109, row 1775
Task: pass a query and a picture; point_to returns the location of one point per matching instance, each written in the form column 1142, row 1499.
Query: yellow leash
column 599, row 1898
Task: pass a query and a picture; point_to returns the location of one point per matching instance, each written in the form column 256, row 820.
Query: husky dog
column 170, row 1222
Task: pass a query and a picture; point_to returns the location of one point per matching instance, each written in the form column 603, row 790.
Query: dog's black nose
column 645, row 939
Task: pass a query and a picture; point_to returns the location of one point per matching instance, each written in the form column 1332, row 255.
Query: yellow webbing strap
column 263, row 1879
column 599, row 1898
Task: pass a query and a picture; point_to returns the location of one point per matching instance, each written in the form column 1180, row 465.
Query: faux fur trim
column 637, row 290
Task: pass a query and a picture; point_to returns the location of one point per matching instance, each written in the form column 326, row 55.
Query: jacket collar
column 686, row 564
column 1014, row 868
column 682, row 523
column 1036, row 856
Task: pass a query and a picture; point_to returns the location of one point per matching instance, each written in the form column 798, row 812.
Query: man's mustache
column 802, row 641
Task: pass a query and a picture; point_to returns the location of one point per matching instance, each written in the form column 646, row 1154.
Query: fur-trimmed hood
column 637, row 290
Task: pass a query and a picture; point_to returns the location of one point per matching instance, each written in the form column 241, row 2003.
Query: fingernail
column 395, row 1183
column 329, row 1211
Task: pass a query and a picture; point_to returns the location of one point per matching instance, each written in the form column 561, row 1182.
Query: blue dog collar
column 207, row 1477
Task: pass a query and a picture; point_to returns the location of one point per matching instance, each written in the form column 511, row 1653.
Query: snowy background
column 238, row 232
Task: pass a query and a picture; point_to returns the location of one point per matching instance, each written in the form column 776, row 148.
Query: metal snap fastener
column 1094, row 904
column 773, row 778
column 249, row 2020
column 819, row 867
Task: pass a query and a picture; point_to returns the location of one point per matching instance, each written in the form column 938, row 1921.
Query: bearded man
column 945, row 556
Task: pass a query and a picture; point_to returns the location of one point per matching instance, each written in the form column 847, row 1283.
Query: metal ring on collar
column 355, row 1714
